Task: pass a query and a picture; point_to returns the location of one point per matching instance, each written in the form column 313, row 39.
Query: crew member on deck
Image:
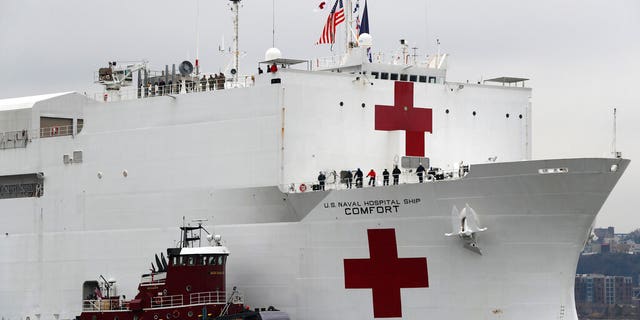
column 220, row 81
column 348, row 178
column 420, row 172
column 203, row 83
column 372, row 178
column 321, row 180
column 385, row 177
column 396, row 175
column 212, row 82
column 359, row 175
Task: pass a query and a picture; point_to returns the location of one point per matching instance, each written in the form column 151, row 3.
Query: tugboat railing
column 208, row 297
column 167, row 301
column 104, row 305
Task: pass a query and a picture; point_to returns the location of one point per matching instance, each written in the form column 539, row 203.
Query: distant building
column 604, row 233
column 601, row 289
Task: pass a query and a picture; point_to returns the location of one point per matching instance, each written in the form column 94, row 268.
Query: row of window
column 402, row 77
column 198, row 260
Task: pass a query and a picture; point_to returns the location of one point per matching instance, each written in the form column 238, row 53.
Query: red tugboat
column 189, row 284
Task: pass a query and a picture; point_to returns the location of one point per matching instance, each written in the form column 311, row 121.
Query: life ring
column 303, row 187
column 54, row 131
column 176, row 313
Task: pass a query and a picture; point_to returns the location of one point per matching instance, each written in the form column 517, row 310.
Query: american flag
column 336, row 17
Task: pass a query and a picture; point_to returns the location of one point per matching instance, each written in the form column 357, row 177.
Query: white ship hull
column 238, row 157
column 292, row 255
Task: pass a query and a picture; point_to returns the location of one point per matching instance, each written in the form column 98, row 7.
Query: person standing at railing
column 221, row 80
column 348, row 178
column 321, row 179
column 420, row 171
column 396, row 175
column 161, row 87
column 359, row 175
column 385, row 177
column 372, row 178
column 212, row 82
column 203, row 83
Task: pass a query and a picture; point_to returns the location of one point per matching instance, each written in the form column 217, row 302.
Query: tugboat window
column 413, row 78
column 394, row 76
column 212, row 261
column 403, row 77
column 220, row 261
column 375, row 74
column 384, row 76
column 422, row 79
column 191, row 261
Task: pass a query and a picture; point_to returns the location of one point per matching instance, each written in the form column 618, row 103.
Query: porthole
column 446, row 111
column 168, row 316
column 136, row 317
column 188, row 288
column 190, row 313
column 115, row 318
column 164, row 292
column 363, row 105
column 474, row 113
column 520, row 116
column 507, row 115
column 155, row 316
column 341, row 103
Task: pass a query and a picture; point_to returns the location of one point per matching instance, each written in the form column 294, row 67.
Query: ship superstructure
column 87, row 177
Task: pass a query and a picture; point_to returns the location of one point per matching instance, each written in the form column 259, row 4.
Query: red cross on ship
column 404, row 116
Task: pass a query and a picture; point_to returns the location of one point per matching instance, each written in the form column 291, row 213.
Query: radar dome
column 272, row 54
column 365, row 40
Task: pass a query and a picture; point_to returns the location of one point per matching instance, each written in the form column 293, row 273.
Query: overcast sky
column 582, row 56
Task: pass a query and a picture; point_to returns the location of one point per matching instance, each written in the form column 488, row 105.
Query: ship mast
column 236, row 50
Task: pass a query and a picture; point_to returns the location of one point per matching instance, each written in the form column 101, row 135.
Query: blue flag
column 364, row 25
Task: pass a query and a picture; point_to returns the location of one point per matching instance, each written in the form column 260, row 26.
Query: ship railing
column 167, row 301
column 334, row 182
column 55, row 131
column 208, row 297
column 153, row 278
column 328, row 62
column 186, row 87
column 104, row 304
column 21, row 138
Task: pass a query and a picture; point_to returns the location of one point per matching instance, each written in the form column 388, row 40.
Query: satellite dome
column 365, row 40
column 272, row 54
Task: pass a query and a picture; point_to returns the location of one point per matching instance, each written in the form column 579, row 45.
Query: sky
column 582, row 56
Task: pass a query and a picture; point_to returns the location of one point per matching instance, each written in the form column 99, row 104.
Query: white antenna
column 615, row 152
column 273, row 26
column 197, row 36
column 438, row 56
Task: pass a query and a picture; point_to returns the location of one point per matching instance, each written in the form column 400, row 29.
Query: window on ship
column 422, row 79
column 403, row 77
column 29, row 185
column 384, row 76
column 394, row 76
column 375, row 74
column 413, row 78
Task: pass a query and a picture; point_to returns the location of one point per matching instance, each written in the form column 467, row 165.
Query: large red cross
column 385, row 274
column 404, row 116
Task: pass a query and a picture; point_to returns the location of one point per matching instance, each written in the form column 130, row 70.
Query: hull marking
column 404, row 116
column 385, row 274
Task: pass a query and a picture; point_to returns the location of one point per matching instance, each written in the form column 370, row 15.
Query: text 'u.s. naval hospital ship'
column 93, row 185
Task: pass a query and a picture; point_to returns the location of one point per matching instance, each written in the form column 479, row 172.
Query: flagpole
column 349, row 15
